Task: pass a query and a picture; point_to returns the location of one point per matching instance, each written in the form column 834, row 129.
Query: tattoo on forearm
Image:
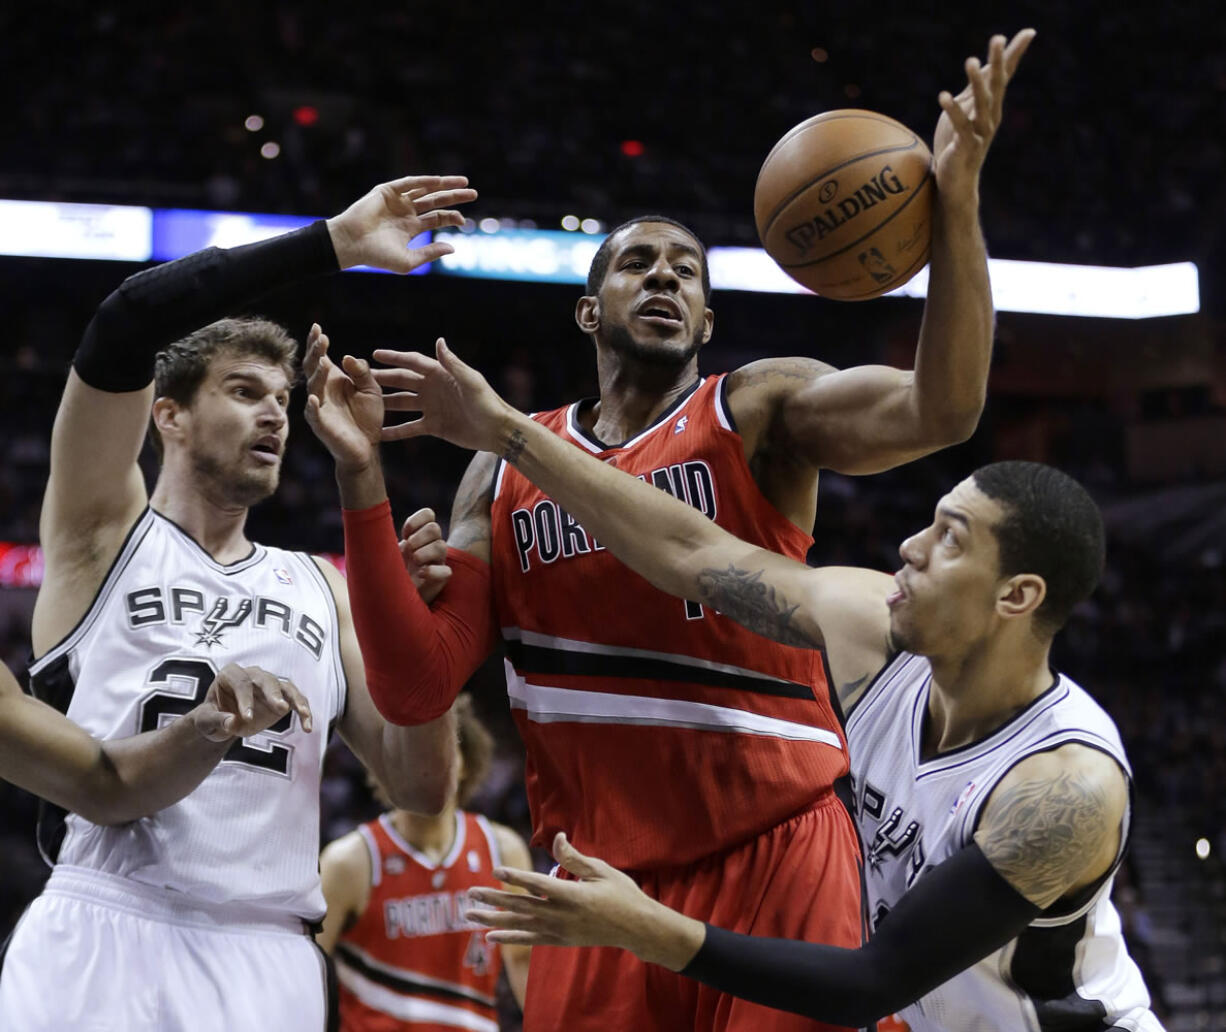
column 1043, row 832
column 470, row 514
column 744, row 596
column 515, row 447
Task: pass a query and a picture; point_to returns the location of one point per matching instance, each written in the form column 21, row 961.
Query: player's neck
column 633, row 395
column 974, row 694
column 216, row 525
column 433, row 836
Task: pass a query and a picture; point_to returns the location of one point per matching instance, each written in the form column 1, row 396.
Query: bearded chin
column 663, row 354
column 237, row 486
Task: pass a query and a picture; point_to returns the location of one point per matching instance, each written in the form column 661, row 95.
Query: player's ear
column 167, row 417
column 1021, row 594
column 708, row 324
column 587, row 314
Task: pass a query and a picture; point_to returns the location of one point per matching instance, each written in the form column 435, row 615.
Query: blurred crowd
column 1106, row 155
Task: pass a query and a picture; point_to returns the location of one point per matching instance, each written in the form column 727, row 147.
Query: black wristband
column 160, row 305
column 956, row 914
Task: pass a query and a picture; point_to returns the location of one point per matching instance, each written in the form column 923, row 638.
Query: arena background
column 1111, row 153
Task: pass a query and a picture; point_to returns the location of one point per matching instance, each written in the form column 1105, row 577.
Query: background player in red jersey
column 397, row 889
column 661, row 736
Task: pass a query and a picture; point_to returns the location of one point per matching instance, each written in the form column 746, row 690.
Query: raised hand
column 243, row 701
column 425, row 554
column 455, row 401
column 969, row 121
column 344, row 404
column 376, row 229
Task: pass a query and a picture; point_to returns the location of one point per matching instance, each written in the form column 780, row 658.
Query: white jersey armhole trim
column 491, row 839
column 131, row 543
column 376, row 861
column 719, row 400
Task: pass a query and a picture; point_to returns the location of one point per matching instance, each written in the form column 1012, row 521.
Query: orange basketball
column 844, row 204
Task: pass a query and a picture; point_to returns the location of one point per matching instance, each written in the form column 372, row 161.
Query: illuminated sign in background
column 46, row 229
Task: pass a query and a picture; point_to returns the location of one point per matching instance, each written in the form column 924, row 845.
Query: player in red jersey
column 661, row 736
column 397, row 889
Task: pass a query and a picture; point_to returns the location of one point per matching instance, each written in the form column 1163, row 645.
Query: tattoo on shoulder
column 515, row 447
column 1042, row 833
column 747, row 599
column 774, row 370
column 850, row 688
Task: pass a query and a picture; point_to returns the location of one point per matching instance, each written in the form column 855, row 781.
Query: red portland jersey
column 657, row 731
column 411, row 961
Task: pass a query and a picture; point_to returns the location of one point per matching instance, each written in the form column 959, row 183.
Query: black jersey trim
column 111, row 575
column 332, row 996
column 1042, row 967
column 540, row 659
column 835, row 706
column 54, row 685
column 228, row 569
column 992, row 741
column 409, row 986
column 721, row 399
column 572, row 419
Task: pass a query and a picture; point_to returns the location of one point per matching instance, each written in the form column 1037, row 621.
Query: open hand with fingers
column 455, row 401
column 603, row 907
column 344, row 404
column 969, row 121
column 425, row 554
column 377, row 228
column 244, row 701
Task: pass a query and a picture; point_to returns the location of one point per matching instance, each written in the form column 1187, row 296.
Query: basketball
column 844, row 204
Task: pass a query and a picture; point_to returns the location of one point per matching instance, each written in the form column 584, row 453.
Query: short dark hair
column 181, row 367
column 1051, row 527
column 476, row 748
column 604, row 254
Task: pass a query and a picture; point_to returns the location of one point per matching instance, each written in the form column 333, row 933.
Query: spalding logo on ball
column 844, row 204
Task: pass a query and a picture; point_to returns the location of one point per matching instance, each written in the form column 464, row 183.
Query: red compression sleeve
column 417, row 657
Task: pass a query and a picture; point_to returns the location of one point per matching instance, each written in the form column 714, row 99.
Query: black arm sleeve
column 160, row 305
column 955, row 915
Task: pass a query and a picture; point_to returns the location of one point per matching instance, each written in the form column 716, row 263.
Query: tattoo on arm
column 1042, row 833
column 851, row 688
column 744, row 596
column 470, row 513
column 515, row 447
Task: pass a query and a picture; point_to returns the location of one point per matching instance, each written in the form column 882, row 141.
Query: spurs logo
column 215, row 624
column 889, row 841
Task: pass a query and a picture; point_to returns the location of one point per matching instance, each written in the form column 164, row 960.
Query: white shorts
column 97, row 953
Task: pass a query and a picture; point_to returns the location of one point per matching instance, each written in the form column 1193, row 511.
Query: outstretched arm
column 869, row 418
column 1051, row 828
column 416, row 659
column 95, row 491
column 121, row 780
column 416, row 764
column 684, row 553
column 956, row 914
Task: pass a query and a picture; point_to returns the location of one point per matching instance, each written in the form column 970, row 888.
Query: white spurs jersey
column 166, row 619
column 1068, row 970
